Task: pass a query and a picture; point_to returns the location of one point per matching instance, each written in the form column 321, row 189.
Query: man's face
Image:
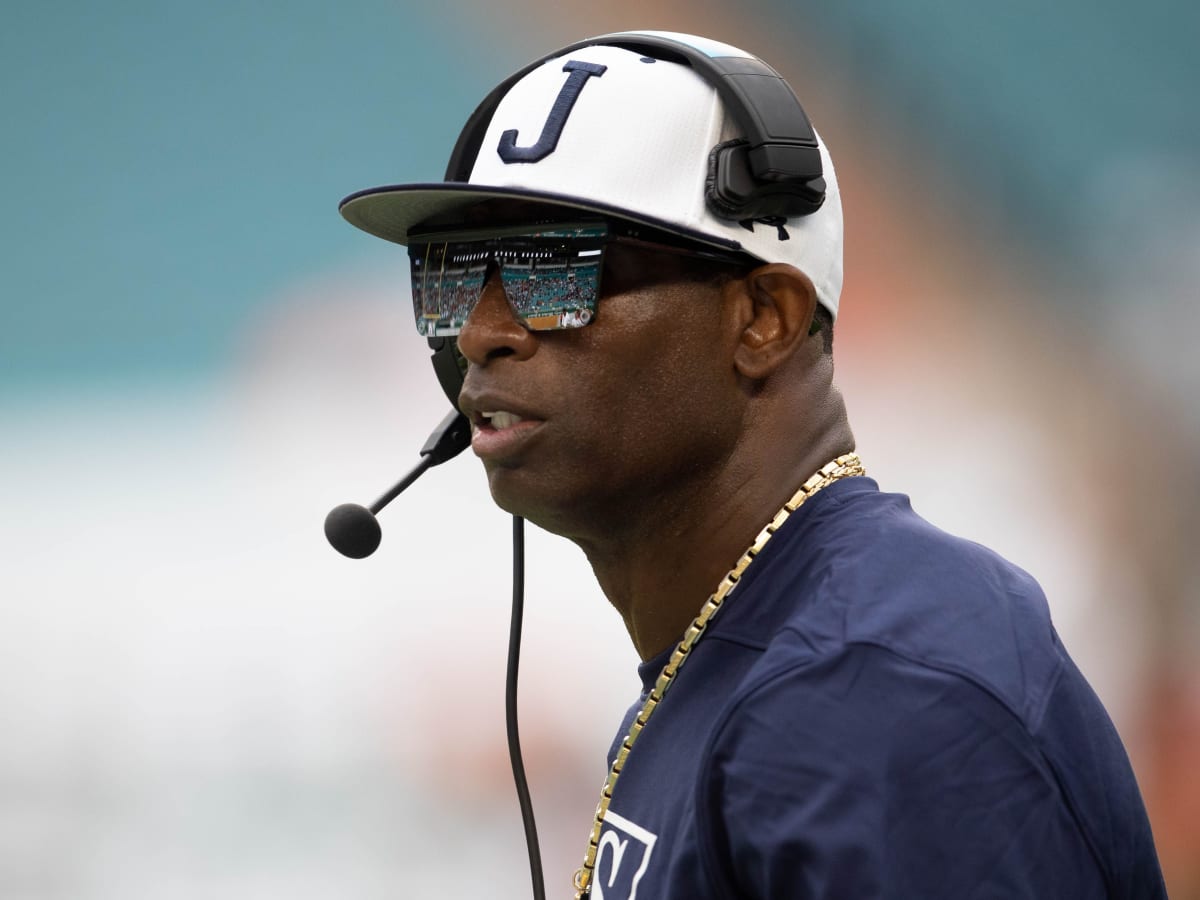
column 577, row 428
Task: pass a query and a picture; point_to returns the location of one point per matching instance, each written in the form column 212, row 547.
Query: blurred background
column 198, row 358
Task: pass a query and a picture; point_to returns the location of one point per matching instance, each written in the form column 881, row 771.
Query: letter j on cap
column 552, row 130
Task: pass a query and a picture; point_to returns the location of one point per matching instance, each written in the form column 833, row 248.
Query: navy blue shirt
column 878, row 710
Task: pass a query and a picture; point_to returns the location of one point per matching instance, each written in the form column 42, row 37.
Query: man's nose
column 492, row 330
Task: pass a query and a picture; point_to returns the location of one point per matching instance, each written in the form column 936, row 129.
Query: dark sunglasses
column 550, row 273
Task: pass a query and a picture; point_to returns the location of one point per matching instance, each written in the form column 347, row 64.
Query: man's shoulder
column 872, row 553
column 879, row 763
column 864, row 570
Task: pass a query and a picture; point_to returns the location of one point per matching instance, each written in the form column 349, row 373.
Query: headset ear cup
column 449, row 365
column 732, row 192
column 729, row 185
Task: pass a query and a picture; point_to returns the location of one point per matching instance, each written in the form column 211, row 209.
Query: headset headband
column 774, row 171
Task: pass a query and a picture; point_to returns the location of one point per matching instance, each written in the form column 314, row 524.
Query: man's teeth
column 501, row 420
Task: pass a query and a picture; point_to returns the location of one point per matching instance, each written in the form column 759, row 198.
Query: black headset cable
column 510, row 710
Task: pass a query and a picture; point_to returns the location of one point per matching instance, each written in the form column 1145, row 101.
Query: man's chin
column 519, row 492
column 512, row 492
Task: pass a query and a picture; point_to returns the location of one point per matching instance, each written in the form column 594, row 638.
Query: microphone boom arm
column 353, row 529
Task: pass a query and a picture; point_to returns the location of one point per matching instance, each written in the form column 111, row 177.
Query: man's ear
column 777, row 310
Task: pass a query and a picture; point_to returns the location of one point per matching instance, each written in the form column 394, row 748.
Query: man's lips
column 489, row 407
column 498, row 433
column 499, row 420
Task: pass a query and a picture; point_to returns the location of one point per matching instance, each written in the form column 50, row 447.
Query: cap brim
column 392, row 211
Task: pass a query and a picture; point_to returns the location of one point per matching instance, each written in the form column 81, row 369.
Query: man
column 864, row 706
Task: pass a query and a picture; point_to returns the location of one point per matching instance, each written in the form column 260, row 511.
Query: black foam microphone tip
column 353, row 530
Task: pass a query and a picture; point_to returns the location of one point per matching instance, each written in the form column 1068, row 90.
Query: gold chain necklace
column 842, row 467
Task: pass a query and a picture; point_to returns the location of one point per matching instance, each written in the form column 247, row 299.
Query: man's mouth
column 498, row 419
column 499, row 434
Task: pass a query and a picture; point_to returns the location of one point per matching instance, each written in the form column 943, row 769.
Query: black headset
column 773, row 173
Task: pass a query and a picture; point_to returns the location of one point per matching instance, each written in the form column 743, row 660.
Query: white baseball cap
column 612, row 131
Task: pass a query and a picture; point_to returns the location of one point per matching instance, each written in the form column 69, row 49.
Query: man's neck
column 657, row 580
column 658, row 570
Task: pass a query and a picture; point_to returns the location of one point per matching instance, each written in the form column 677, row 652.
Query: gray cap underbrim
column 392, row 211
